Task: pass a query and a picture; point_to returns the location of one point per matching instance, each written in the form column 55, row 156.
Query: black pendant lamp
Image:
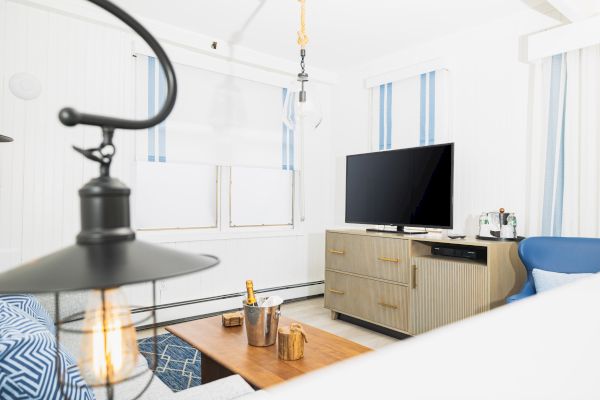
column 106, row 254
column 5, row 139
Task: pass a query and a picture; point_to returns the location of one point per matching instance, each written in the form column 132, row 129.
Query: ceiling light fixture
column 106, row 255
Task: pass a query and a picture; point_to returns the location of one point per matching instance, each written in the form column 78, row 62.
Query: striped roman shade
column 218, row 119
column 410, row 112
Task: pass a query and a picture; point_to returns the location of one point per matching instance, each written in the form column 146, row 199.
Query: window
column 219, row 121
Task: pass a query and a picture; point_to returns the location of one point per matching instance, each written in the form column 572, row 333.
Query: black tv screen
column 406, row 187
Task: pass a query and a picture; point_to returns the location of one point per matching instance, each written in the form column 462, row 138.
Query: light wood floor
column 312, row 312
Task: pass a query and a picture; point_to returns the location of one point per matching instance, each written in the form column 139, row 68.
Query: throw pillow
column 546, row 280
column 30, row 305
column 28, row 364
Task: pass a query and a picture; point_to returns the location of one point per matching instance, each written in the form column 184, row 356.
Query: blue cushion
column 31, row 306
column 546, row 280
column 28, row 362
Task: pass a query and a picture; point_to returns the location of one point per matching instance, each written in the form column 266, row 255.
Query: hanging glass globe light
column 301, row 105
column 301, row 109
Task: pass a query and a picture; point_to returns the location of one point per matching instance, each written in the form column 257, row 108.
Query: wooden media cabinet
column 394, row 281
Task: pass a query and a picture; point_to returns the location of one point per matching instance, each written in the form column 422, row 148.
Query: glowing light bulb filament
column 111, row 345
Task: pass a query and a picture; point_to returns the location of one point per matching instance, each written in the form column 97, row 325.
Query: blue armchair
column 556, row 254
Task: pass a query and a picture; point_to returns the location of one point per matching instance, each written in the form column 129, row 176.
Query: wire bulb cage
column 109, row 351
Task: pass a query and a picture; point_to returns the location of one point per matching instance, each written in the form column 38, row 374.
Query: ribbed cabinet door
column 446, row 291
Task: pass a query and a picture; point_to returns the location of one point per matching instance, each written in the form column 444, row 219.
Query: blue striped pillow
column 31, row 306
column 28, row 362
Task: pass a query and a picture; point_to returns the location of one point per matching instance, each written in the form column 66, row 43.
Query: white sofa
column 545, row 347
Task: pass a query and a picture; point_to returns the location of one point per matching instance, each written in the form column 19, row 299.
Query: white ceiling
column 340, row 32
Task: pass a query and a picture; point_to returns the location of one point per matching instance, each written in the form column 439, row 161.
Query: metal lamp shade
column 101, row 266
column 5, row 139
column 106, row 254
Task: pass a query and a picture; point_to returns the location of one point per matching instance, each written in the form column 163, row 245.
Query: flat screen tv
column 406, row 188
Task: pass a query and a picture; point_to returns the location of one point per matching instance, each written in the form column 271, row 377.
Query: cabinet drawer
column 375, row 301
column 377, row 257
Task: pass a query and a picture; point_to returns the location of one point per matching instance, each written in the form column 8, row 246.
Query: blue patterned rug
column 178, row 362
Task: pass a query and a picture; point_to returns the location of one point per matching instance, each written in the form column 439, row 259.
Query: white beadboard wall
column 40, row 171
column 90, row 66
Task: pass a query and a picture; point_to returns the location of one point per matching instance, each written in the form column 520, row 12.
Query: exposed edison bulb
column 301, row 106
column 109, row 348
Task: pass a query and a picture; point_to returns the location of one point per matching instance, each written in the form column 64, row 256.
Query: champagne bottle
column 251, row 301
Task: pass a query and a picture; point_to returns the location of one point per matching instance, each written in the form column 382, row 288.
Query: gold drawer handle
column 332, row 251
column 387, row 305
column 336, row 291
column 394, row 260
column 414, row 276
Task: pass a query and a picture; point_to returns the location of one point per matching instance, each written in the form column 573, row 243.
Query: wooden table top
column 260, row 366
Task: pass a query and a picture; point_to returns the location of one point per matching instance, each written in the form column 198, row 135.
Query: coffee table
column 225, row 351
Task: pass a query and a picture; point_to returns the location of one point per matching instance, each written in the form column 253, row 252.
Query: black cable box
column 458, row 251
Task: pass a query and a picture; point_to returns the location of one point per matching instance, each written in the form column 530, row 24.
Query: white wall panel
column 77, row 66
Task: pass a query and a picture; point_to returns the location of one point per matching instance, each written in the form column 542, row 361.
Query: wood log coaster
column 232, row 319
column 290, row 342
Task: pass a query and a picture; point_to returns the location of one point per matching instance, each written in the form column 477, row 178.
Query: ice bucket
column 261, row 324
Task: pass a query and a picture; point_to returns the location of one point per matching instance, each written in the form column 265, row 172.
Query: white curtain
column 564, row 142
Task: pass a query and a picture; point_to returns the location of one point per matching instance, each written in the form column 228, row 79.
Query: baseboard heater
column 222, row 297
column 201, row 316
column 213, row 298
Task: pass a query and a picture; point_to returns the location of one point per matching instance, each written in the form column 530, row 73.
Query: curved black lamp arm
column 70, row 117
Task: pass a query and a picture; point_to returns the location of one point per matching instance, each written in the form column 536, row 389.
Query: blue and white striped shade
column 156, row 98
column 407, row 112
column 427, row 109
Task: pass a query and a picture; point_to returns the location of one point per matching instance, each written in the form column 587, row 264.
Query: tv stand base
column 400, row 230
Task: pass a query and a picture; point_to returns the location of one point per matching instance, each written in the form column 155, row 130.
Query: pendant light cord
column 302, row 65
column 302, row 41
column 302, row 37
